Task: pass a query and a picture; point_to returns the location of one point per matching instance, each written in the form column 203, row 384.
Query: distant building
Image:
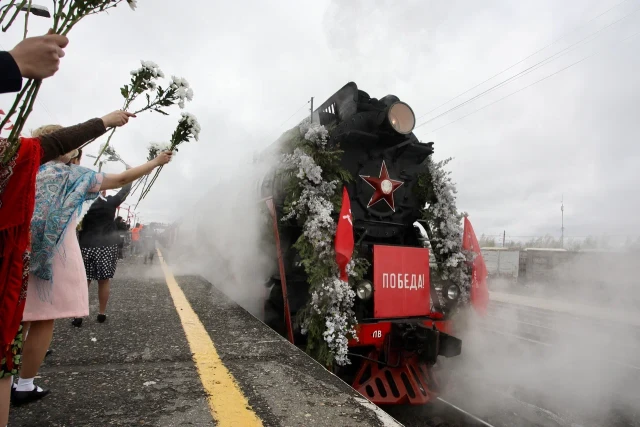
column 502, row 263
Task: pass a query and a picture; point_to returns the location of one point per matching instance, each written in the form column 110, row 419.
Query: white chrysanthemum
column 448, row 240
column 159, row 146
column 183, row 91
column 335, row 299
column 193, row 124
column 148, row 67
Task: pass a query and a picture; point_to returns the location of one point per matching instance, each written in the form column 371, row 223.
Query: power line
column 527, row 70
column 521, row 61
column 289, row 118
column 528, row 86
column 297, row 111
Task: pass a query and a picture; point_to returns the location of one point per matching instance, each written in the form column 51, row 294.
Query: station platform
column 175, row 351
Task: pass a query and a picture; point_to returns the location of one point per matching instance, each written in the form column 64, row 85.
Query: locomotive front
column 403, row 309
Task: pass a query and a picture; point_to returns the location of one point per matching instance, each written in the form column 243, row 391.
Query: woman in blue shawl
column 57, row 280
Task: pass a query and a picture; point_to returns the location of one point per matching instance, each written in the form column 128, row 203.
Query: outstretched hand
column 116, row 119
column 39, row 57
column 163, row 158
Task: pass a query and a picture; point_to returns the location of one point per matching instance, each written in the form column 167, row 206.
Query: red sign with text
column 374, row 333
column 400, row 281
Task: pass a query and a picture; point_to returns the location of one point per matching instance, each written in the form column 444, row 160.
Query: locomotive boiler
column 403, row 307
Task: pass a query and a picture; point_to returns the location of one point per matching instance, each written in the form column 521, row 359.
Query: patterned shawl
column 60, row 192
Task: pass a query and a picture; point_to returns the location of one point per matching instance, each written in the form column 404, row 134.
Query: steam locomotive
column 404, row 310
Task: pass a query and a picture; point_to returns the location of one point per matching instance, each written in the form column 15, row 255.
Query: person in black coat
column 122, row 228
column 99, row 239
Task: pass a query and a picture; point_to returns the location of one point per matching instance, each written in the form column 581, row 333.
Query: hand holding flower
column 116, row 119
column 163, row 158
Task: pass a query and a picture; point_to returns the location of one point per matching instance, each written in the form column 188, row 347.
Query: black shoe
column 102, row 318
column 22, row 397
column 77, row 322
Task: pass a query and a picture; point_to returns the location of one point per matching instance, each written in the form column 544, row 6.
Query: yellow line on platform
column 227, row 403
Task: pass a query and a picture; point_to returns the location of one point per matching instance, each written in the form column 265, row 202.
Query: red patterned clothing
column 17, row 200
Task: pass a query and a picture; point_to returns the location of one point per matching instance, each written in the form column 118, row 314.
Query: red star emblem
column 384, row 187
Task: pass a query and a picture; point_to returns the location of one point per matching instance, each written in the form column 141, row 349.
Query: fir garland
column 314, row 184
column 437, row 195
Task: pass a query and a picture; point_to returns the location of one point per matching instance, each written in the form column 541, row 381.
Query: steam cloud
column 219, row 238
column 533, row 367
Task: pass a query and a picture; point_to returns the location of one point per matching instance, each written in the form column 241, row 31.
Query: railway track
column 480, row 400
column 441, row 413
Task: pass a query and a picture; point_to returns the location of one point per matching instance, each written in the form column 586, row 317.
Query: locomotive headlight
column 364, row 290
column 401, row 118
column 453, row 292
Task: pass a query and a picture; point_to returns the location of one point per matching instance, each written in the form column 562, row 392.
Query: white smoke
column 577, row 363
column 219, row 238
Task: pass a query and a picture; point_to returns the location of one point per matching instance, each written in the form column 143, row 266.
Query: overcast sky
column 252, row 64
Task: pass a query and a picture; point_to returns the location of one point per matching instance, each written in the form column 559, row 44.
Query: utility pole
column 311, row 110
column 504, row 234
column 562, row 228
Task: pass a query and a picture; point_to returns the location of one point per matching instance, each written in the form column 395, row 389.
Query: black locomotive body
column 385, row 160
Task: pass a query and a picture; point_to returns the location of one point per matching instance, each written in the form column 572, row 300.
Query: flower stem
column 140, row 182
column 146, row 190
column 26, row 20
column 105, row 146
column 6, row 8
column 23, row 114
column 127, row 102
column 14, row 107
column 15, row 15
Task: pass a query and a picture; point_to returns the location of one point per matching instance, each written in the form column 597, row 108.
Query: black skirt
column 100, row 262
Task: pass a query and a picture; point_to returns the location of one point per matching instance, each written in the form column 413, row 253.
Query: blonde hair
column 46, row 130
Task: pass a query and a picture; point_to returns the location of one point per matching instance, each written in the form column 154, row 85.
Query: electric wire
column 529, row 69
column 528, row 86
column 297, row 111
column 521, row 61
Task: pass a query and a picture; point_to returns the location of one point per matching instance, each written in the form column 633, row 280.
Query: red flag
column 479, row 289
column 344, row 236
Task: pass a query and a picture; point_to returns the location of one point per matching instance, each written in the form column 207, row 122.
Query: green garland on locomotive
column 363, row 141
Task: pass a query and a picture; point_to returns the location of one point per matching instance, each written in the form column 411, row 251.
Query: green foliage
column 441, row 220
column 317, row 268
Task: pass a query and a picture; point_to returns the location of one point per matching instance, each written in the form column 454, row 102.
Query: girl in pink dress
column 57, row 280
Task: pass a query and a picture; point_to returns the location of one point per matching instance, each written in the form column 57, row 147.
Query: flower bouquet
column 66, row 14
column 188, row 127
column 144, row 80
